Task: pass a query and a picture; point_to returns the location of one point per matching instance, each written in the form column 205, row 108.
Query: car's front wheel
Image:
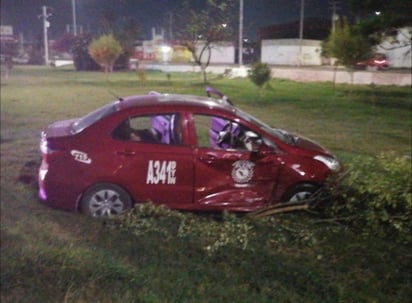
column 105, row 200
column 301, row 193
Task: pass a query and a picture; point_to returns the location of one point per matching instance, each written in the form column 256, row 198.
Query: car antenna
column 116, row 96
column 212, row 91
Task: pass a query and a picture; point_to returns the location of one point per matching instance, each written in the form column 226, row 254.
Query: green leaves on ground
column 377, row 196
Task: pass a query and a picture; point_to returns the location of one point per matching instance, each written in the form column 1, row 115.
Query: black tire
column 300, row 193
column 105, row 200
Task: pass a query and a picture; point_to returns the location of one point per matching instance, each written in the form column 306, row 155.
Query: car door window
column 220, row 133
column 161, row 129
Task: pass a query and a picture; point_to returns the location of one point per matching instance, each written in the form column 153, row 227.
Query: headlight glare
column 330, row 162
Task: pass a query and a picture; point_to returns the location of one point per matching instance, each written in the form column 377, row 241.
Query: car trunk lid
column 59, row 128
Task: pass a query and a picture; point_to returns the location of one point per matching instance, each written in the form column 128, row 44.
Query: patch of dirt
column 28, row 173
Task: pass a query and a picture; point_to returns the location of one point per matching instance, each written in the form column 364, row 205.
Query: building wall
column 160, row 50
column 291, row 52
column 221, row 53
column 398, row 51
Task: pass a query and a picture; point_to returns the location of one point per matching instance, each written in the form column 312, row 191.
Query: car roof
column 172, row 100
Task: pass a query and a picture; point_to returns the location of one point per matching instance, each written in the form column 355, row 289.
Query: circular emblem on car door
column 242, row 171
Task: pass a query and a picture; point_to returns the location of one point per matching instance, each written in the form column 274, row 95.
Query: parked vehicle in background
column 186, row 152
column 377, row 61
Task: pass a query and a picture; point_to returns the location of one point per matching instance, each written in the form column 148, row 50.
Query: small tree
column 260, row 74
column 347, row 45
column 8, row 51
column 105, row 50
column 200, row 30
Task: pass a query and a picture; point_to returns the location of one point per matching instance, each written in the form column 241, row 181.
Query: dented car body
column 186, row 152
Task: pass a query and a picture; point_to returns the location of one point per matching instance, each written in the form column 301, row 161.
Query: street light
column 165, row 50
column 241, row 32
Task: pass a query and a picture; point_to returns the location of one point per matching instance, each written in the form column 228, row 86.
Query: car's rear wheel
column 105, row 200
column 301, row 193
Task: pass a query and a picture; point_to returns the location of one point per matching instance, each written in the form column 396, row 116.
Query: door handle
column 207, row 159
column 126, row 153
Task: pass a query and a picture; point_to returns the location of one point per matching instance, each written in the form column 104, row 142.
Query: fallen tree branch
column 276, row 209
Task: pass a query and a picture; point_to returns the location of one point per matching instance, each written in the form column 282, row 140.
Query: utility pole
column 170, row 21
column 46, row 25
column 302, row 13
column 74, row 17
column 335, row 17
column 241, row 32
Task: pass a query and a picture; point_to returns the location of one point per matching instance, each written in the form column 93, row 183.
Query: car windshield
column 93, row 117
column 282, row 135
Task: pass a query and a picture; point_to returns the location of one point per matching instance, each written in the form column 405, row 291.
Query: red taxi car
column 186, row 152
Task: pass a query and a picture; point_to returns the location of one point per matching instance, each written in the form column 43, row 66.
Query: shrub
column 259, row 74
column 377, row 196
column 105, row 50
column 211, row 235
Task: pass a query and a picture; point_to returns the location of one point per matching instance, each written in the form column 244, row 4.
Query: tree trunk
column 203, row 68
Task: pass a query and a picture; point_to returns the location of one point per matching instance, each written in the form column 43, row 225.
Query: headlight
column 330, row 162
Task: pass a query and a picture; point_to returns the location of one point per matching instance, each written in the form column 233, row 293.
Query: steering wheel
column 225, row 135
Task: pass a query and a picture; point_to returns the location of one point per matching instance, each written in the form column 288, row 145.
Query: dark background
column 23, row 15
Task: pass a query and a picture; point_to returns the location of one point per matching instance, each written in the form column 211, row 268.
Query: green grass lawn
column 49, row 255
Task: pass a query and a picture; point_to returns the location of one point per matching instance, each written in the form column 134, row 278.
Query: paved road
column 306, row 74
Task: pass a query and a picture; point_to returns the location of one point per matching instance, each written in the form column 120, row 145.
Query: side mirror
column 261, row 151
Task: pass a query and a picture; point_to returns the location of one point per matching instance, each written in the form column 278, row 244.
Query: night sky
column 23, row 14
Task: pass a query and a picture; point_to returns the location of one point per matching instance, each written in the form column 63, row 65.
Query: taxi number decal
column 163, row 172
column 80, row 156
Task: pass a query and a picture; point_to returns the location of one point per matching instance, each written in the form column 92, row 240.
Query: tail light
column 43, row 144
column 45, row 148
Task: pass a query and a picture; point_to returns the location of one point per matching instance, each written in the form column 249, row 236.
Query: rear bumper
column 53, row 192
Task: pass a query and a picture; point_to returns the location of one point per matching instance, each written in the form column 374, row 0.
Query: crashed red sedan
column 186, row 152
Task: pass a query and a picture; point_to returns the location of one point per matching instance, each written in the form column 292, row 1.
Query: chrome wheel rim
column 105, row 203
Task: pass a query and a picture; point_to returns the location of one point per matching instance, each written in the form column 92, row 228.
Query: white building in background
column 158, row 49
column 291, row 52
column 398, row 49
column 220, row 52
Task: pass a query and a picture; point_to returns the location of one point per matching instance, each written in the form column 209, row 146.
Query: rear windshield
column 93, row 117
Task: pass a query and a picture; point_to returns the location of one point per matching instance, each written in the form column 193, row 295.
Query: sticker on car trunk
column 80, row 156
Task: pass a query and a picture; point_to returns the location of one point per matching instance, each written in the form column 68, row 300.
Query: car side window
column 161, row 129
column 220, row 133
